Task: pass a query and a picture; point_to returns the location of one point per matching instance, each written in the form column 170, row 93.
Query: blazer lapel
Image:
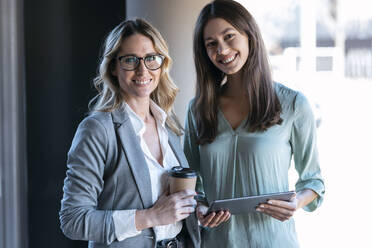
column 175, row 144
column 134, row 154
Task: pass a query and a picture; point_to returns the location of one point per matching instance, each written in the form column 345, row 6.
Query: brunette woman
column 243, row 129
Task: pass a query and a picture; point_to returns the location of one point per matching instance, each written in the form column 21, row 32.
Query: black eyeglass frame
column 139, row 60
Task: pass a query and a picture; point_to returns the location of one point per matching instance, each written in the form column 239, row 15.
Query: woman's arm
column 305, row 153
column 83, row 184
column 310, row 185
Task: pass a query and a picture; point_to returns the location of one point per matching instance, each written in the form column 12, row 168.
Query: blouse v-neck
column 227, row 123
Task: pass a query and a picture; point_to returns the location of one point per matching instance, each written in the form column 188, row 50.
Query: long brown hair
column 264, row 106
column 109, row 95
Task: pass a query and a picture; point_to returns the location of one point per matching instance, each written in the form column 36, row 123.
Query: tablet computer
column 248, row 204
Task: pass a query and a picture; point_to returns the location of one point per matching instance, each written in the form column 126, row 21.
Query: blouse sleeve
column 305, row 153
column 83, row 184
column 191, row 149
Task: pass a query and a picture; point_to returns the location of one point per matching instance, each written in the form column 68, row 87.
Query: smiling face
column 138, row 84
column 226, row 47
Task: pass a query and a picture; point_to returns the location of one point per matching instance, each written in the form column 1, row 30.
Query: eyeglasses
column 131, row 62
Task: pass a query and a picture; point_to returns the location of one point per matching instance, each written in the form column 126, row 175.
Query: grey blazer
column 107, row 171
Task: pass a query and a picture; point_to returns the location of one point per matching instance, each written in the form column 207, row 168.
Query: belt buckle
column 172, row 244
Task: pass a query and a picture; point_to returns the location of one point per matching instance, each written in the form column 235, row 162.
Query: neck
column 235, row 86
column 140, row 107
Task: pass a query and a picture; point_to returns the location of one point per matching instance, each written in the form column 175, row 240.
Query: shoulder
column 97, row 119
column 101, row 117
column 290, row 99
column 96, row 124
column 284, row 93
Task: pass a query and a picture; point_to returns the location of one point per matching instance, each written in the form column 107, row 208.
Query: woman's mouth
column 142, row 81
column 228, row 59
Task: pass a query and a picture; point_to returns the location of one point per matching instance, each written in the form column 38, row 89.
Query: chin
column 231, row 71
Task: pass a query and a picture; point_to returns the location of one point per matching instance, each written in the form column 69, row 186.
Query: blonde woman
column 115, row 192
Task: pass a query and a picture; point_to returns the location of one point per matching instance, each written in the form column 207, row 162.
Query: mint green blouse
column 241, row 163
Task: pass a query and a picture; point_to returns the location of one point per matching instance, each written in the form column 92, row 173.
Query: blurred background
column 49, row 55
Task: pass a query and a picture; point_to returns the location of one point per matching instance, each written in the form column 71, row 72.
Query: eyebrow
column 132, row 54
column 223, row 32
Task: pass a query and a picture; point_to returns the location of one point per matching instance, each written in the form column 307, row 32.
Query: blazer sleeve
column 79, row 217
column 305, row 152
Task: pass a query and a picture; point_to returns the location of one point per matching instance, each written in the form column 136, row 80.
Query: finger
column 279, row 217
column 226, row 216
column 187, row 210
column 280, row 210
column 182, row 216
column 182, row 203
column 276, row 214
column 207, row 219
column 281, row 204
column 179, row 201
column 222, row 219
column 189, row 202
column 215, row 221
column 185, row 193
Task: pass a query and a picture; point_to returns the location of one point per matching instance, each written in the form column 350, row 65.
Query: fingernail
column 259, row 210
column 270, row 202
column 262, row 206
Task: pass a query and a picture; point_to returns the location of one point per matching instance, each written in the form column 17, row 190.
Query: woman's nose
column 222, row 48
column 141, row 67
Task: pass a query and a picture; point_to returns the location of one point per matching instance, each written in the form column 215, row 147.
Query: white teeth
column 228, row 60
column 142, row 82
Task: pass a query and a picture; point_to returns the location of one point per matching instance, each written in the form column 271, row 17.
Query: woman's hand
column 167, row 209
column 280, row 210
column 213, row 219
column 283, row 210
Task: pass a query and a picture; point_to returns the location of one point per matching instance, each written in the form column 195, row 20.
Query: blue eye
column 150, row 58
column 130, row 60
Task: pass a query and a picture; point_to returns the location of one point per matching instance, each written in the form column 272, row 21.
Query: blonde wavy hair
column 110, row 95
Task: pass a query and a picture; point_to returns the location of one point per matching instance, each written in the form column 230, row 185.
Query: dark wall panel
column 62, row 42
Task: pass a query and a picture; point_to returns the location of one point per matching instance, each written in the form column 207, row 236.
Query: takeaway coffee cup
column 181, row 178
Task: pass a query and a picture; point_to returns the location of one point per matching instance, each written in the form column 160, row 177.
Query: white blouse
column 124, row 220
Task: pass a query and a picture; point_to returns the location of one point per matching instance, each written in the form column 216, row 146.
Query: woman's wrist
column 144, row 219
column 304, row 197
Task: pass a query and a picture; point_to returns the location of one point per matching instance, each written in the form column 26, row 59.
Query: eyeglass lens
column 130, row 62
